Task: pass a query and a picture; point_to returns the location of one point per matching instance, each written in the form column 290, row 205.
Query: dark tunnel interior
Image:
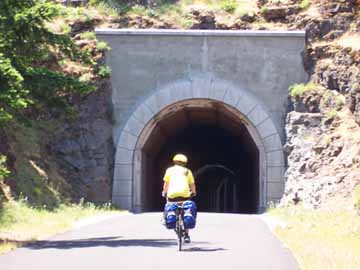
column 222, row 156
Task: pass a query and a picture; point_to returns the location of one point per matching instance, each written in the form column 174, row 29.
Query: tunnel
column 222, row 156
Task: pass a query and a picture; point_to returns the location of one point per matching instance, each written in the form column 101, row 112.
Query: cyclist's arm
column 165, row 187
column 166, row 182
column 193, row 188
column 191, row 182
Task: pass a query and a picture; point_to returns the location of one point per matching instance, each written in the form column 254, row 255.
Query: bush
column 298, row 90
column 4, row 172
column 102, row 46
column 26, row 41
column 263, row 10
column 228, row 5
column 104, row 71
column 304, row 4
column 331, row 114
column 88, row 35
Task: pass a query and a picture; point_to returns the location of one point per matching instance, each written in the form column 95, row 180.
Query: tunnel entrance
column 222, row 156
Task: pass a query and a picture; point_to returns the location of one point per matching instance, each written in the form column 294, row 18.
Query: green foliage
column 228, row 5
column 20, row 222
column 12, row 93
column 332, row 114
column 336, row 233
column 3, row 169
column 102, row 46
column 25, row 42
column 304, row 4
column 187, row 22
column 138, row 10
column 104, row 71
column 298, row 90
column 339, row 102
column 88, row 35
column 65, row 29
column 85, row 77
column 263, row 10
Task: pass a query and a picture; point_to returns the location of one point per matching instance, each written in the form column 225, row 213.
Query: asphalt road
column 220, row 241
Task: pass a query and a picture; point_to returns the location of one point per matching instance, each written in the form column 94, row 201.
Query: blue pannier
column 170, row 217
column 189, row 214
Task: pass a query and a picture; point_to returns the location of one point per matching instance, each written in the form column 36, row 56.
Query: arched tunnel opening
column 222, row 156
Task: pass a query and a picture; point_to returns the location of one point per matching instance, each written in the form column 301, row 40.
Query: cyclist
column 179, row 184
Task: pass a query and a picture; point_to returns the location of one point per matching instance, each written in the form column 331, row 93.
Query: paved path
column 220, row 241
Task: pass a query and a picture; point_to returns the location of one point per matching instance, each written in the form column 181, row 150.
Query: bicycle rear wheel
column 179, row 232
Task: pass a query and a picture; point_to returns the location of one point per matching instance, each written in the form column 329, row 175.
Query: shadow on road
column 200, row 249
column 103, row 241
column 114, row 242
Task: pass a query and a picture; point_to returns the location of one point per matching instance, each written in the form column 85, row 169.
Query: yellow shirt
column 179, row 179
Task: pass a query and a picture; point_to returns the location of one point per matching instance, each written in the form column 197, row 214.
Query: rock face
column 279, row 13
column 84, row 147
column 203, row 19
column 322, row 161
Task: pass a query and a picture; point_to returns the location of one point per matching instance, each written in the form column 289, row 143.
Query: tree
column 26, row 44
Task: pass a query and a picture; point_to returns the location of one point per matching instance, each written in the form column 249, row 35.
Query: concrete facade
column 249, row 72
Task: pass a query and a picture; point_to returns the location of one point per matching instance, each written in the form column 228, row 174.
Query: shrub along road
column 220, row 241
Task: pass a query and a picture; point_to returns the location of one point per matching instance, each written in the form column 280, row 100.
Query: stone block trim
column 267, row 128
column 275, row 158
column 123, row 172
column 181, row 91
column 201, row 87
column 272, row 143
column 257, row 115
column 275, row 189
column 127, row 140
column 232, row 96
column 123, row 202
column 275, row 174
column 246, row 104
column 125, row 190
column 123, row 156
column 133, row 126
column 218, row 90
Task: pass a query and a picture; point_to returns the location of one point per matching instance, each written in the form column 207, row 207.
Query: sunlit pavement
column 220, row 241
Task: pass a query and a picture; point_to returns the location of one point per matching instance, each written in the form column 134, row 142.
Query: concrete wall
column 148, row 64
column 265, row 63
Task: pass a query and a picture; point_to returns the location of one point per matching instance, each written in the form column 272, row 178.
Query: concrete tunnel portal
column 222, row 156
column 219, row 97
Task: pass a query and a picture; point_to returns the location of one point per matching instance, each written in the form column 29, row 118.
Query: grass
column 331, row 114
column 88, row 35
column 228, row 5
column 321, row 239
column 304, row 4
column 102, row 46
column 20, row 223
column 298, row 90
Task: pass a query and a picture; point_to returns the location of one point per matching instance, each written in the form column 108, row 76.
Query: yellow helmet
column 180, row 158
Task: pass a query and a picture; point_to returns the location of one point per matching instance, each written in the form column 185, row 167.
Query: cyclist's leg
column 187, row 236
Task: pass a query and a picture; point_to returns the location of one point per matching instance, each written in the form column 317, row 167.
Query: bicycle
column 179, row 225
